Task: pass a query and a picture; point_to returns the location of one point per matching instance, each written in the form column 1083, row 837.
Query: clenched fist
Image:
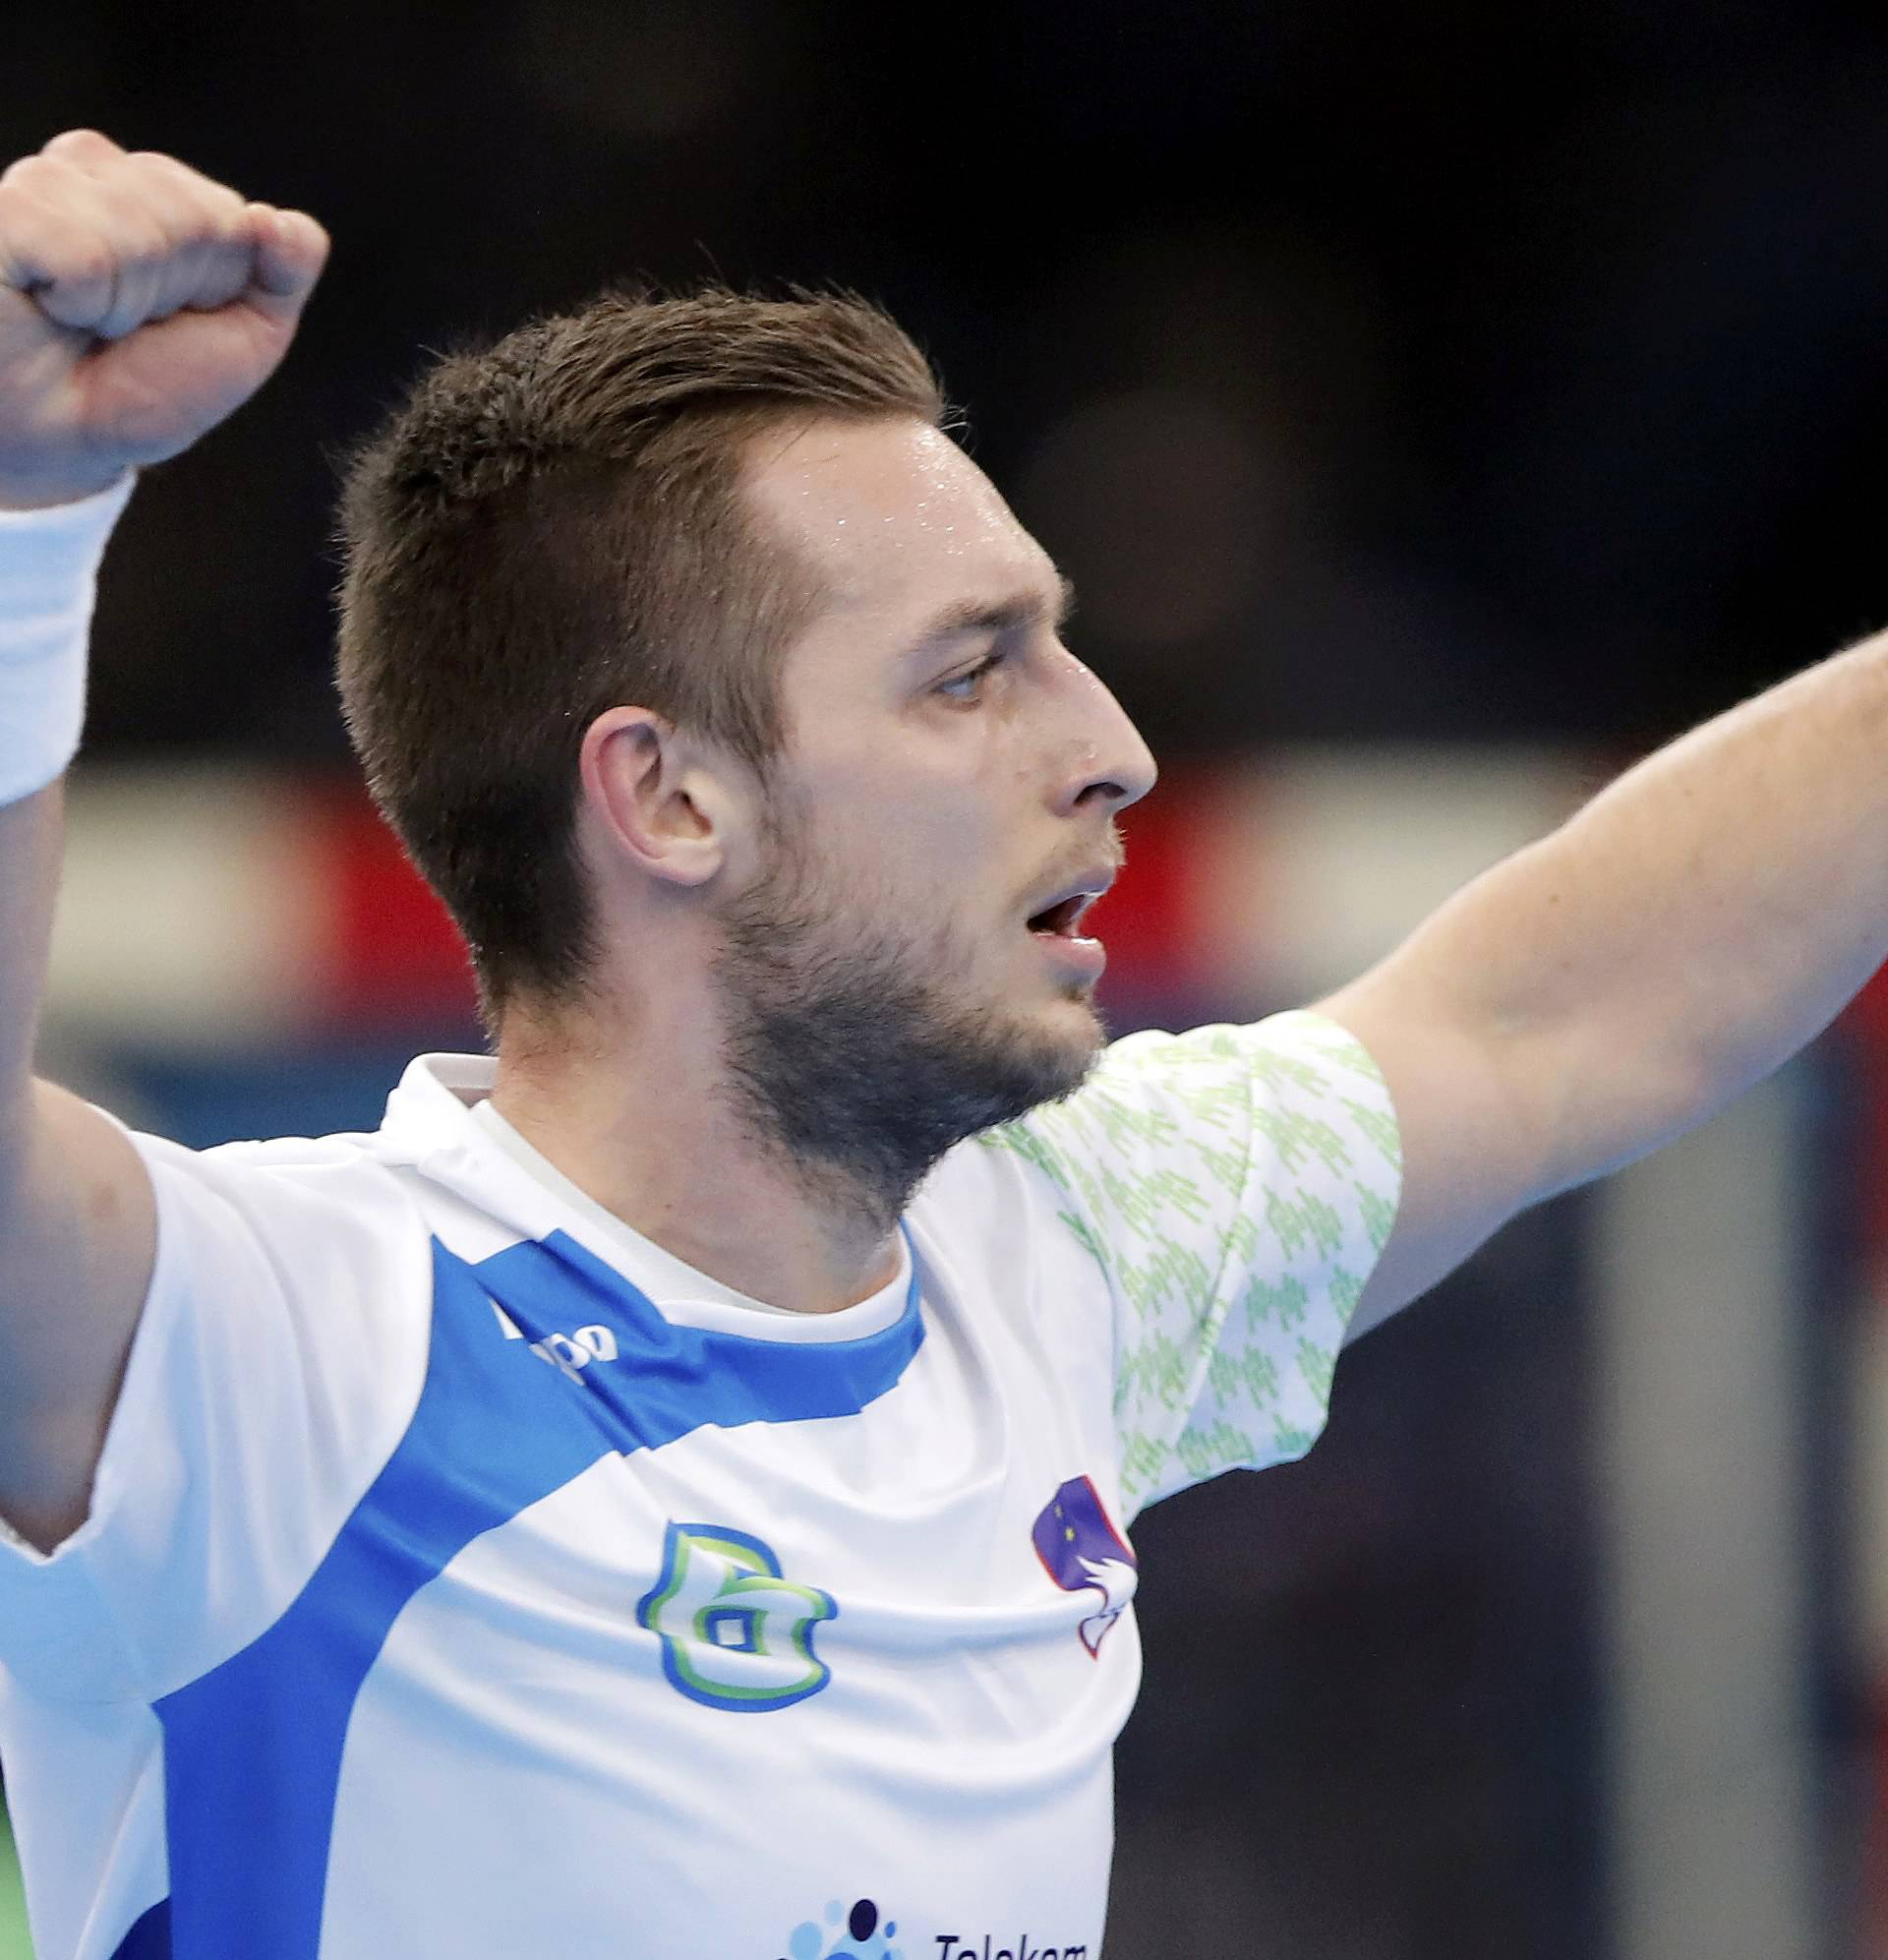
column 140, row 303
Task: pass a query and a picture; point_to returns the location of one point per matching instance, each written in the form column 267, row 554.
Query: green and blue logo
column 734, row 1633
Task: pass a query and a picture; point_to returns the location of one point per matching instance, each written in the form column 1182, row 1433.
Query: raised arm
column 1606, row 989
column 140, row 303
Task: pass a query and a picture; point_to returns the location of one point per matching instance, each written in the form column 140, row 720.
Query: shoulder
column 336, row 1172
column 1165, row 1119
column 312, row 1221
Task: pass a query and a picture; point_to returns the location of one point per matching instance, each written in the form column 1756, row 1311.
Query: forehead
column 892, row 517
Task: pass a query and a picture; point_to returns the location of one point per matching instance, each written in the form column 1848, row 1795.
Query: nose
column 1110, row 764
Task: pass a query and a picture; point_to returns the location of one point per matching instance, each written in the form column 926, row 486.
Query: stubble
column 861, row 1051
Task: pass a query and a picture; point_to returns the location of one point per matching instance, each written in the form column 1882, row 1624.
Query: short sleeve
column 269, row 1377
column 1236, row 1185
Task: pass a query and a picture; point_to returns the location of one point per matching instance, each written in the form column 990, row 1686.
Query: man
column 665, row 1493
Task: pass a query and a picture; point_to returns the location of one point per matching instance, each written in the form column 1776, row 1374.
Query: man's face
column 950, row 772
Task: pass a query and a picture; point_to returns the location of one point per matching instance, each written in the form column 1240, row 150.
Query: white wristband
column 48, row 575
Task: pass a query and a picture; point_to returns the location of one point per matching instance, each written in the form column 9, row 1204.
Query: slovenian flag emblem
column 1083, row 1552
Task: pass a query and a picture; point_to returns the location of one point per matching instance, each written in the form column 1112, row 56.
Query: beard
column 863, row 1053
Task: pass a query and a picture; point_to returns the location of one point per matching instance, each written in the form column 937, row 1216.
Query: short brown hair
column 551, row 527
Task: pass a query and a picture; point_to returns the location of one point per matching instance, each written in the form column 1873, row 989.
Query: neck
column 633, row 1129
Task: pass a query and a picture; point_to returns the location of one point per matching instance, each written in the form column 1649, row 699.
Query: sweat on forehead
column 885, row 509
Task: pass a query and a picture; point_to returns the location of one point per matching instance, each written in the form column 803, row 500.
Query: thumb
column 291, row 248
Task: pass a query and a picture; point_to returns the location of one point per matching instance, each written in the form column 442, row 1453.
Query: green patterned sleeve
column 1236, row 1186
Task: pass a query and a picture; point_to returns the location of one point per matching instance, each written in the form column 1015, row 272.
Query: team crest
column 1084, row 1553
column 734, row 1633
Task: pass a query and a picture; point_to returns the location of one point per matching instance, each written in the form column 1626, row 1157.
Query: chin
column 1078, row 1010
column 1071, row 1036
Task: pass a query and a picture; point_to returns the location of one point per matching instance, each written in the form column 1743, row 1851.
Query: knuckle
column 167, row 209
column 80, row 144
column 158, row 167
column 101, row 258
column 67, row 243
column 86, row 265
column 38, row 172
column 153, row 166
column 82, row 133
column 227, row 207
column 144, row 243
column 216, row 217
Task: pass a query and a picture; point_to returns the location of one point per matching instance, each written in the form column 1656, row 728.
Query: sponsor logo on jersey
column 1083, row 1552
column 866, row 1935
column 951, row 1948
column 735, row 1632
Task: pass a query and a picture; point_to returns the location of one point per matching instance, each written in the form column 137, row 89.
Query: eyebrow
column 1001, row 616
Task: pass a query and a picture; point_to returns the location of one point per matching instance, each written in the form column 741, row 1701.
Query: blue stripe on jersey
column 252, row 1749
column 150, row 1938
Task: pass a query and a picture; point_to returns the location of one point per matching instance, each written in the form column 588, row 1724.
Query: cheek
column 919, row 821
column 926, row 882
column 938, row 841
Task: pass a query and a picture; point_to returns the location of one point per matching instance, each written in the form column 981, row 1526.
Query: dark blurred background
column 1376, row 371
column 1495, row 374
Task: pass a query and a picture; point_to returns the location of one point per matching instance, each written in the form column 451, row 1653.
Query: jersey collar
column 430, row 1125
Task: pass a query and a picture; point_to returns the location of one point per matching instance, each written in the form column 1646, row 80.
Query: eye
column 968, row 686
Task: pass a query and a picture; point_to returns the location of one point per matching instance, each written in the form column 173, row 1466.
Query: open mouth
column 1061, row 921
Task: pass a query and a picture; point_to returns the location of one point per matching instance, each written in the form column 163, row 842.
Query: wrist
column 49, row 555
column 49, row 570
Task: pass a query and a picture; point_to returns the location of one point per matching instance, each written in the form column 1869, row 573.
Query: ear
column 664, row 802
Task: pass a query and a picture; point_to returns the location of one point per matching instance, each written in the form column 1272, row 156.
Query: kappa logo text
column 569, row 1352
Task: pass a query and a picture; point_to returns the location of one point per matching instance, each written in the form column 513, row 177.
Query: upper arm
column 260, row 1385
column 1522, row 1059
column 1475, row 1115
column 77, row 1239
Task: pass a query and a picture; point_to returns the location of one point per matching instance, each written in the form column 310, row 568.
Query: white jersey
column 465, row 1577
